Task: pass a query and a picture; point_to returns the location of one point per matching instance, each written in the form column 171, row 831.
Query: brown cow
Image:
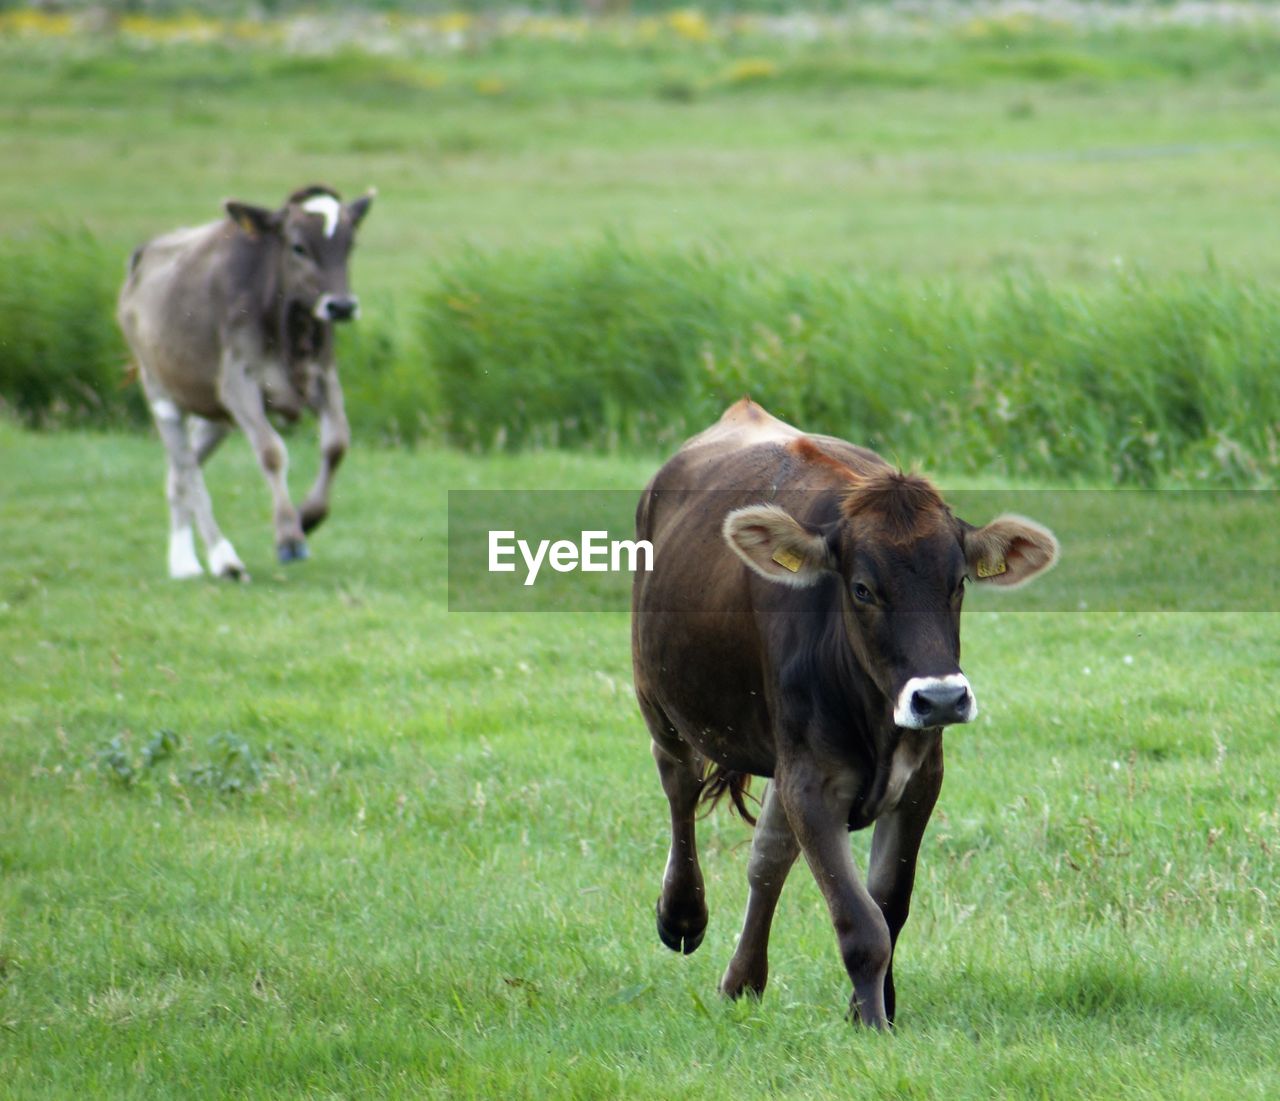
column 802, row 623
column 229, row 322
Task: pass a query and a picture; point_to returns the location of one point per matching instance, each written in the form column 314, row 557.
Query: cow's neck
column 304, row 339
column 865, row 712
column 827, row 684
column 887, row 755
column 294, row 335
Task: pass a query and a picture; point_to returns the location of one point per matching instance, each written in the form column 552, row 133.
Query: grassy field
column 391, row 850
column 319, row 836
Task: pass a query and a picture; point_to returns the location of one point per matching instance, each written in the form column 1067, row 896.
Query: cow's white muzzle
column 935, row 701
column 332, row 307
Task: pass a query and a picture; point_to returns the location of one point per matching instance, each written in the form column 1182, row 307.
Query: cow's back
column 171, row 309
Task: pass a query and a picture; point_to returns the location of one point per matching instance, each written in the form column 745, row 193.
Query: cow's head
column 902, row 560
column 314, row 232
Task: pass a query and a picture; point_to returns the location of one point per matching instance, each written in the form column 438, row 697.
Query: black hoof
column 293, row 550
column 674, row 939
column 311, row 520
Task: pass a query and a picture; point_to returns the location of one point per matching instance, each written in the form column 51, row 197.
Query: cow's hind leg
column 188, row 498
column 774, row 849
column 682, row 907
column 204, row 436
column 183, row 563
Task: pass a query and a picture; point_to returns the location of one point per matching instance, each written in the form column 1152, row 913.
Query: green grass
column 403, row 851
column 991, row 159
column 388, row 850
column 62, row 358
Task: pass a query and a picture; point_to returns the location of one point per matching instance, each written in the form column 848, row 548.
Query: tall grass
column 1135, row 380
column 62, row 359
column 608, row 345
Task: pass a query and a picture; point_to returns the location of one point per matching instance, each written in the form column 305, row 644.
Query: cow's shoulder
column 743, row 424
column 187, row 243
column 748, row 446
column 737, row 449
column 186, row 265
column 212, row 274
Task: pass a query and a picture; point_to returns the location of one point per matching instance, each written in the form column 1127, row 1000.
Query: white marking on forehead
column 328, row 208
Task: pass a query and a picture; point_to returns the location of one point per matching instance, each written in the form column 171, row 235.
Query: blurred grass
column 927, row 148
column 1137, row 380
column 999, row 242
column 1131, row 380
column 62, row 358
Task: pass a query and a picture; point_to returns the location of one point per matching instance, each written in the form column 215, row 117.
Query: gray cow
column 233, row 321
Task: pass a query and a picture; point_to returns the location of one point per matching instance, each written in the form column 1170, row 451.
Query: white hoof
column 183, row 563
column 224, row 562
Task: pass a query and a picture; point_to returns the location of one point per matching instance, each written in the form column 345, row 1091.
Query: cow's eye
column 863, row 594
column 299, row 249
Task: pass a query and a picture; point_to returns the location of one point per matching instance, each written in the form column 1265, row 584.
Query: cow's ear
column 777, row 546
column 1009, row 551
column 360, row 207
column 256, row 221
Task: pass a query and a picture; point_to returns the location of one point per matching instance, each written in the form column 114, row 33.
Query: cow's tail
column 720, row 782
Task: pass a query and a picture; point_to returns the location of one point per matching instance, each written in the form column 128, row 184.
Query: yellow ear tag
column 788, row 559
column 989, row 568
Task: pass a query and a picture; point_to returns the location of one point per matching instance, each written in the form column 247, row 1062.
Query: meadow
column 320, row 836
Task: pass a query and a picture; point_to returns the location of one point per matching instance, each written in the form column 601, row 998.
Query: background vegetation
column 598, row 231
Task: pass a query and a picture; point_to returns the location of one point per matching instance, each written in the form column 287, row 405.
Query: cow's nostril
column 941, row 702
column 341, row 309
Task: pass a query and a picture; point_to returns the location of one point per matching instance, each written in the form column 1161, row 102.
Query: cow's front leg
column 817, row 805
column 894, row 848
column 241, row 395
column 773, row 850
column 335, row 436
